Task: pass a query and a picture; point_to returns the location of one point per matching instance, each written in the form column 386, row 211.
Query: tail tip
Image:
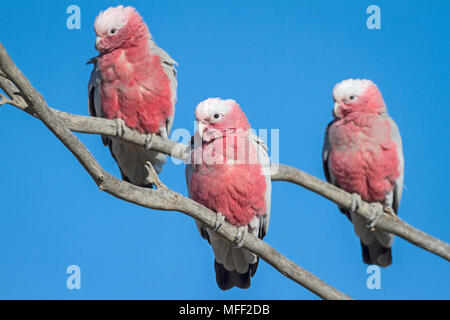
column 376, row 254
column 229, row 279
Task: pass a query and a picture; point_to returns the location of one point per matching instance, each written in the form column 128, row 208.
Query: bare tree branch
column 94, row 125
column 387, row 222
column 160, row 199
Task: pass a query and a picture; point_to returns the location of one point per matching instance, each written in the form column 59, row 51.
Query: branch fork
column 22, row 95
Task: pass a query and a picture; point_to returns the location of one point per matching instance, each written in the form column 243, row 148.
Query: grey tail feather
column 228, row 279
column 126, row 179
column 375, row 253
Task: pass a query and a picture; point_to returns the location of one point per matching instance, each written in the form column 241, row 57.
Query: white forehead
column 350, row 87
column 113, row 17
column 210, row 106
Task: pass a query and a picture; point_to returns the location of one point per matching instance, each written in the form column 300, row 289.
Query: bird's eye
column 216, row 116
column 113, row 31
column 352, row 97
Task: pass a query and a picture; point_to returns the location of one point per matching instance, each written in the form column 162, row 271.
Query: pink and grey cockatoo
column 363, row 155
column 230, row 174
column 133, row 81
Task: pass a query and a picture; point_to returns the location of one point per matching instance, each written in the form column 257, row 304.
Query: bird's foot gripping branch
column 12, row 81
column 22, row 95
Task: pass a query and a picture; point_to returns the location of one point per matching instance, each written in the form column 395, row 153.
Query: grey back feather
column 169, row 67
column 264, row 160
column 398, row 186
column 94, row 102
column 325, row 154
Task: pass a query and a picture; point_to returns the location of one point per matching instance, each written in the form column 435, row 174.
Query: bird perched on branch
column 133, row 81
column 230, row 174
column 363, row 155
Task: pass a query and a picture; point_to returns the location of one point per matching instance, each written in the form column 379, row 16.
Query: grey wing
column 95, row 108
column 188, row 174
column 326, row 150
column 325, row 154
column 169, row 67
column 398, row 185
column 264, row 160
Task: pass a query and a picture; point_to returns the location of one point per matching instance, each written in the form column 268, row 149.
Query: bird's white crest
column 113, row 17
column 350, row 87
column 214, row 105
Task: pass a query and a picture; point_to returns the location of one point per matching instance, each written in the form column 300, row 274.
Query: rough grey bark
column 92, row 125
column 22, row 94
column 387, row 222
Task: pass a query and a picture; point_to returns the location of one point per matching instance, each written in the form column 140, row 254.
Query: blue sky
column 280, row 61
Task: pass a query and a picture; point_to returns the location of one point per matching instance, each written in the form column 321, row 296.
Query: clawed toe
column 241, row 235
column 120, row 127
column 356, row 202
column 220, row 218
column 390, row 212
column 148, row 141
column 376, row 211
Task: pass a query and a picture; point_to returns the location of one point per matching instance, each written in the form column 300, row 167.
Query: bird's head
column 118, row 25
column 216, row 116
column 356, row 95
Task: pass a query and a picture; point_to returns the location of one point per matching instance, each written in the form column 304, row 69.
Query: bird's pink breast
column 135, row 88
column 235, row 190
column 364, row 158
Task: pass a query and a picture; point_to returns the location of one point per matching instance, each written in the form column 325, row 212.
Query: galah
column 134, row 82
column 363, row 155
column 229, row 173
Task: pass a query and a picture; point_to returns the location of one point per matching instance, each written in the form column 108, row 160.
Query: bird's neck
column 132, row 52
column 232, row 146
